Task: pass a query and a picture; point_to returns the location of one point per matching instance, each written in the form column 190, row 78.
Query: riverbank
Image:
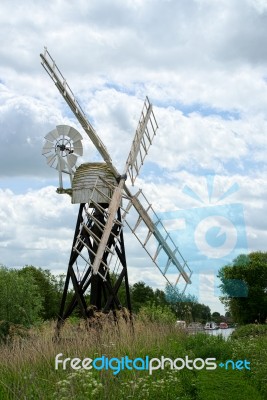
column 27, row 368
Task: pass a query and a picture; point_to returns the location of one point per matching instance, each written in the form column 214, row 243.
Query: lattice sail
column 145, row 132
column 157, row 242
column 53, row 71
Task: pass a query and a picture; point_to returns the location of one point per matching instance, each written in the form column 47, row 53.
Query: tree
column 141, row 294
column 49, row 289
column 182, row 304
column 186, row 306
column 244, row 285
column 216, row 317
column 173, row 296
column 156, row 313
column 200, row 313
column 20, row 299
column 160, row 298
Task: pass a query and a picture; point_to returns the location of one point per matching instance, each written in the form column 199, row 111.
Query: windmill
column 106, row 206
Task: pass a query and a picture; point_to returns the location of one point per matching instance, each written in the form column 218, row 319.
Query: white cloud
column 36, row 228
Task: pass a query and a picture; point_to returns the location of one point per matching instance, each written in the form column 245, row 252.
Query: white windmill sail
column 50, row 66
column 145, row 132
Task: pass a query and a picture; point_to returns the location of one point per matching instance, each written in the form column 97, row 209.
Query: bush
column 9, row 331
column 251, row 330
column 20, row 299
column 160, row 314
column 204, row 346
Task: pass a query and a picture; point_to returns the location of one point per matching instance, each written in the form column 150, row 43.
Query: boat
column 224, row 325
column 194, row 327
column 180, row 324
column 210, row 326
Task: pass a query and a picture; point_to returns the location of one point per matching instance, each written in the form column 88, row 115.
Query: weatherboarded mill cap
column 93, row 181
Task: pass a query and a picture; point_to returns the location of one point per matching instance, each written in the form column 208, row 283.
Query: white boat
column 180, row 324
column 210, row 326
column 195, row 327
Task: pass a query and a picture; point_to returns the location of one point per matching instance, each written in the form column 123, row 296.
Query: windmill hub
column 120, row 177
column 65, row 150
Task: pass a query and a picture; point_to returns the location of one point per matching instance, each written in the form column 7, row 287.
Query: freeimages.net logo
column 211, row 235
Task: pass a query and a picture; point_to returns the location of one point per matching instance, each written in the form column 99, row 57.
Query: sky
column 203, row 65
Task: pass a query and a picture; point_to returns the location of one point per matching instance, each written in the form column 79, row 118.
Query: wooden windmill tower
column 106, row 205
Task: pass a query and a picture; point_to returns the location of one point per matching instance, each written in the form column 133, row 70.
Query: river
column 224, row 332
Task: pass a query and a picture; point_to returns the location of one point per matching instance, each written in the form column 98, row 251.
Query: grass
column 27, row 365
column 225, row 385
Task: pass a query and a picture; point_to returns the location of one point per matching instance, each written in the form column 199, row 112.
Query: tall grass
column 27, row 365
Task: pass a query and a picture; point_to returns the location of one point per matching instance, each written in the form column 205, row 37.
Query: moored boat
column 211, row 326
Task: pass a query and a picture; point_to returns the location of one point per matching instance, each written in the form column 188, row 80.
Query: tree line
column 31, row 295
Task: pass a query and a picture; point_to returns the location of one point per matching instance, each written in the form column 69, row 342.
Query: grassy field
column 27, row 365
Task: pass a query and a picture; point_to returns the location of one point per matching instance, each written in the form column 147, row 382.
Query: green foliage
column 204, row 346
column 32, row 375
column 141, row 294
column 29, row 295
column 8, row 331
column 154, row 313
column 244, row 285
column 224, row 386
column 166, row 386
column 21, row 302
column 71, row 385
column 174, row 296
column 49, row 289
column 4, row 330
column 200, row 313
column 249, row 331
column 160, row 298
column 186, row 306
column 181, row 304
column 250, row 342
column 216, row 317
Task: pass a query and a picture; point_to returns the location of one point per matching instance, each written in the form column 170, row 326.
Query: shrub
column 160, row 314
column 251, row 330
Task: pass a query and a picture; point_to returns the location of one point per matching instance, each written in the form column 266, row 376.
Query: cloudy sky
column 203, row 65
